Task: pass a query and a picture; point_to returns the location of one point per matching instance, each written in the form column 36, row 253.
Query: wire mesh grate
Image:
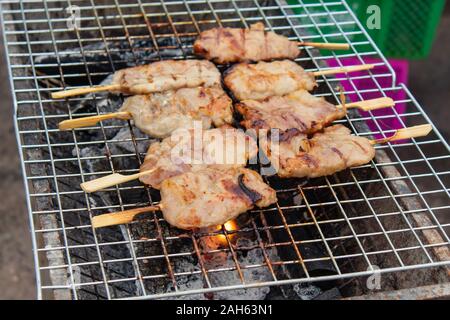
column 385, row 216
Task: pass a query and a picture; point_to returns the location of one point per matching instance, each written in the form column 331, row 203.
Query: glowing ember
column 219, row 240
column 229, row 226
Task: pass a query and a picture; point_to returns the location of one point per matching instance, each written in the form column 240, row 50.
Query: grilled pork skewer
column 205, row 198
column 300, row 110
column 156, row 77
column 278, row 78
column 159, row 114
column 216, row 148
column 328, row 152
column 229, row 45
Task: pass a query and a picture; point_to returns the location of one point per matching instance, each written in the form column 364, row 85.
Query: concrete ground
column 16, row 262
column 429, row 81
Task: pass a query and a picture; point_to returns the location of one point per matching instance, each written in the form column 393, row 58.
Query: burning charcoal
column 104, row 101
column 127, row 145
column 98, row 56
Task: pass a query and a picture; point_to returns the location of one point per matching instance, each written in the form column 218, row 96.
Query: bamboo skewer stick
column 93, row 120
column 123, row 217
column 111, row 180
column 342, row 98
column 343, row 70
column 367, row 105
column 80, row 91
column 406, row 133
column 117, row 87
column 116, row 178
column 322, row 45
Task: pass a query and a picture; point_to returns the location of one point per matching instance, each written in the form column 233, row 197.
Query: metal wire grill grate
column 381, row 217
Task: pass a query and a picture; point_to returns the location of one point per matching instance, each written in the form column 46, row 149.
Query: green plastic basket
column 407, row 30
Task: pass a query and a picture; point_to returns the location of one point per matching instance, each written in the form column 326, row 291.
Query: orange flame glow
column 230, row 225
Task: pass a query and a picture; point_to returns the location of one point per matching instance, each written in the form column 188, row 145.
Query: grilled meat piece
column 167, row 75
column 327, row 152
column 228, row 45
column 266, row 79
column 211, row 197
column 184, row 151
column 300, row 110
column 159, row 114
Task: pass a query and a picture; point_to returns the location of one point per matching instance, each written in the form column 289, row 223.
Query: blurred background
column 428, row 79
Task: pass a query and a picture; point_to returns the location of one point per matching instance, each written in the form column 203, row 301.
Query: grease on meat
column 167, row 75
column 211, row 197
column 327, row 152
column 299, row 110
column 184, row 151
column 229, row 45
column 266, row 79
column 160, row 114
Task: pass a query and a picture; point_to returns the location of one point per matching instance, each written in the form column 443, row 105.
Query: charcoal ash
column 307, row 292
column 97, row 57
column 224, row 260
column 105, row 101
column 126, row 143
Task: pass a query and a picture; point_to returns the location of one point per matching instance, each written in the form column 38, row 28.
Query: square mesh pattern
column 384, row 217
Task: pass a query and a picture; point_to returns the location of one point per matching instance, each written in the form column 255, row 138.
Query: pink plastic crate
column 401, row 68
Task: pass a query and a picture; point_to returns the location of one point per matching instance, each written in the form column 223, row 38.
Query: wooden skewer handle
column 91, row 121
column 407, row 133
column 111, row 180
column 329, row 46
column 80, row 91
column 123, row 217
column 344, row 69
column 411, row 132
column 372, row 104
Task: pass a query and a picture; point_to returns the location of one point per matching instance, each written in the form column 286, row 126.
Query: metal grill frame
column 339, row 14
